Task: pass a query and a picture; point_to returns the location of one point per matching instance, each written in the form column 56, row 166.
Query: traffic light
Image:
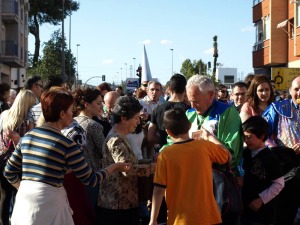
column 209, row 65
column 139, row 71
column 103, row 77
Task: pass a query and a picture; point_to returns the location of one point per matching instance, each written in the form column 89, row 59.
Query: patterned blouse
column 94, row 141
column 120, row 191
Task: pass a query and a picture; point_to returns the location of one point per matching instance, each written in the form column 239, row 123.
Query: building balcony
column 9, row 54
column 10, row 11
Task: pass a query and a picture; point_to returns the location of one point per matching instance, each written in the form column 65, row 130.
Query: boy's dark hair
column 31, row 81
column 176, row 121
column 258, row 126
column 177, row 83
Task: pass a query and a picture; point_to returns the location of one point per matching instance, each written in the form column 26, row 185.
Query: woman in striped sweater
column 43, row 156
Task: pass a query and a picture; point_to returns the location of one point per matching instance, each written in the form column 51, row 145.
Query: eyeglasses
column 145, row 85
column 223, row 91
column 40, row 85
column 239, row 94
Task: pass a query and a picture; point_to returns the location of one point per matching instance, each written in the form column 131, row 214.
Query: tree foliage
column 189, row 68
column 47, row 11
column 50, row 62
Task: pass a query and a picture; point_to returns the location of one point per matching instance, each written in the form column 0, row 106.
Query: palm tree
column 215, row 38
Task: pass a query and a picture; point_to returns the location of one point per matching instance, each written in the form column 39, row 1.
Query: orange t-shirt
column 185, row 170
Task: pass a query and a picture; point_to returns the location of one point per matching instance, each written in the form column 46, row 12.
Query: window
column 297, row 14
column 255, row 2
column 228, row 79
column 262, row 30
column 267, row 27
column 291, row 29
column 259, row 32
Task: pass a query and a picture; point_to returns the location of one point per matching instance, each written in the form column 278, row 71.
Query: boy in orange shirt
column 184, row 174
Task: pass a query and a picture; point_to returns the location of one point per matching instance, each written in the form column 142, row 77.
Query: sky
column 111, row 33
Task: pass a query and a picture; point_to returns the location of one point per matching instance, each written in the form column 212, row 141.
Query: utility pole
column 77, row 80
column 172, row 60
column 63, row 70
column 69, row 74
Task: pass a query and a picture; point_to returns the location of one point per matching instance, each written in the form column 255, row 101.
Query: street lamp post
column 126, row 69
column 134, row 67
column 121, row 74
column 77, row 81
column 172, row 59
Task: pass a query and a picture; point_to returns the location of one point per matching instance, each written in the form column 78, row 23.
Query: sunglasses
column 145, row 85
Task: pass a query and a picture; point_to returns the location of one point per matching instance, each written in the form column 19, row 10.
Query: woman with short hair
column 118, row 196
column 42, row 158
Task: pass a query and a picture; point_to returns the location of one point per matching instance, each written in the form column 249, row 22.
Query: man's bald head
column 295, row 90
column 110, row 100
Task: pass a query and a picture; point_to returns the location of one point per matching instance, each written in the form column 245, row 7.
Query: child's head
column 256, row 130
column 176, row 122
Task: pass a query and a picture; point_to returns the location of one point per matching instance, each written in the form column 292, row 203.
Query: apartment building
column 277, row 44
column 13, row 41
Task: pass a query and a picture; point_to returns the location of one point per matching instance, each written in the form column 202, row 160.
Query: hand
column 205, row 134
column 13, row 136
column 256, row 204
column 123, row 167
column 152, row 168
column 296, row 148
column 239, row 181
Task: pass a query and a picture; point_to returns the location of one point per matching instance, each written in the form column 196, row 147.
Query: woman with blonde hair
column 258, row 97
column 15, row 117
column 13, row 123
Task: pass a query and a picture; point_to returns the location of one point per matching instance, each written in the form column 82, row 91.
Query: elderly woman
column 43, row 156
column 118, row 196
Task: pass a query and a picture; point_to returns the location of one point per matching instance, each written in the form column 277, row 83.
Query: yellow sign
column 283, row 77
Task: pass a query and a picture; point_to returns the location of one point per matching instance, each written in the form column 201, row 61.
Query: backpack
column 226, row 192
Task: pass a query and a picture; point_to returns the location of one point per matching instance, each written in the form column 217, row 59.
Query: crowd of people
column 102, row 156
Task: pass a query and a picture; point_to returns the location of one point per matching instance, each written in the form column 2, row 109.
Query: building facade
column 13, row 41
column 227, row 76
column 277, row 42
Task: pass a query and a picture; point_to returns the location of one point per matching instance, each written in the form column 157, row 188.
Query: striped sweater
column 44, row 155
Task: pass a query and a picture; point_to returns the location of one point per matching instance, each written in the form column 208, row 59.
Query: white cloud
column 145, row 42
column 209, row 51
column 166, row 42
column 107, row 61
column 247, row 29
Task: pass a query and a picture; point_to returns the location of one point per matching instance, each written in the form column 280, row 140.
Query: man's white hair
column 204, row 83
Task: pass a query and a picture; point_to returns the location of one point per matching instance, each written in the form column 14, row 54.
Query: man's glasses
column 40, row 85
column 145, row 85
column 223, row 91
column 239, row 94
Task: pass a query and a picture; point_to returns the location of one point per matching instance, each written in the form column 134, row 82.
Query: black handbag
column 226, row 192
column 289, row 163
